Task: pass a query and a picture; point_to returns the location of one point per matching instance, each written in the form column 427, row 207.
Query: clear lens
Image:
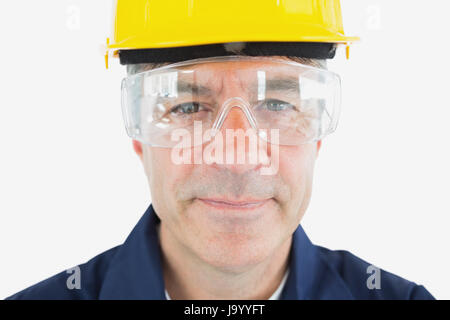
column 301, row 102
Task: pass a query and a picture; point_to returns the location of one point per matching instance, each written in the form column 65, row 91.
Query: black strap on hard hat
column 312, row 50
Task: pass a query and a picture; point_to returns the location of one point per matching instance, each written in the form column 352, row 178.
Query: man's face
column 229, row 215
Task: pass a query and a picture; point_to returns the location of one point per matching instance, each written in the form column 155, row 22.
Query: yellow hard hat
column 151, row 24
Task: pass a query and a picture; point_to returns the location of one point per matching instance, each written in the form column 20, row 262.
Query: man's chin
column 232, row 238
column 234, row 256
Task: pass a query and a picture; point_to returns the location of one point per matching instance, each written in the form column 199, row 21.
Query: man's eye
column 277, row 105
column 186, row 108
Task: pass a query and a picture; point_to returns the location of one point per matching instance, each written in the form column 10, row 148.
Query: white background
column 71, row 186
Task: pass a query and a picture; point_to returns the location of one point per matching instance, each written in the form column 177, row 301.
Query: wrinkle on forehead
column 237, row 76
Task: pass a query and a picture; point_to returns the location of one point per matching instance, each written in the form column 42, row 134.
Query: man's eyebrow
column 189, row 87
column 274, row 84
column 283, row 84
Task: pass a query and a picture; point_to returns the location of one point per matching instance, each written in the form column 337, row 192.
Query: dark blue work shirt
column 133, row 271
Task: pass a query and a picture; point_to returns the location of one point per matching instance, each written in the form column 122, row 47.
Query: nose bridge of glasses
column 230, row 115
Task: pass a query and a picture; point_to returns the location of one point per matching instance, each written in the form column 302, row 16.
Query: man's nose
column 241, row 144
column 236, row 118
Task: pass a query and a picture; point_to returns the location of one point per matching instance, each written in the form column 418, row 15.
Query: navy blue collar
column 135, row 272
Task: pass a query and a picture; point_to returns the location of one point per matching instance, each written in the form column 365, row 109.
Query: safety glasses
column 300, row 102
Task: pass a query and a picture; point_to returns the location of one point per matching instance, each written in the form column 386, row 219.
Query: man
column 227, row 110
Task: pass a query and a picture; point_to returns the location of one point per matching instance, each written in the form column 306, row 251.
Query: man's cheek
column 295, row 168
column 168, row 176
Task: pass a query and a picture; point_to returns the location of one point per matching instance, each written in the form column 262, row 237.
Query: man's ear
column 137, row 146
column 319, row 144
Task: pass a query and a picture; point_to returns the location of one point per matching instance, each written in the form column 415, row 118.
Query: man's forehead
column 211, row 78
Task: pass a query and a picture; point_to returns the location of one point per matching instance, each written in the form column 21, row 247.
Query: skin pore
column 212, row 251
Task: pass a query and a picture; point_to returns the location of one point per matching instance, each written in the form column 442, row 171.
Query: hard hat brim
column 210, row 35
column 314, row 50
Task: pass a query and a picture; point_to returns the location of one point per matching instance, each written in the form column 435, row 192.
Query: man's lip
column 231, row 204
